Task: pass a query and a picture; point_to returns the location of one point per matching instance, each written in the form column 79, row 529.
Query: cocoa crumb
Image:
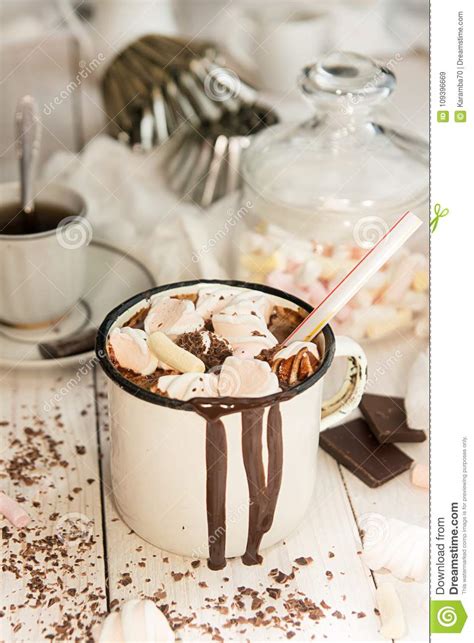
column 125, row 579
column 304, row 560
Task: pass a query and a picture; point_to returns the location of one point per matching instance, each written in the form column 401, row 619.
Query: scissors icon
column 439, row 214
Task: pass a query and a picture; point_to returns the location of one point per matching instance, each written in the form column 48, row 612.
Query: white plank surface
column 52, row 584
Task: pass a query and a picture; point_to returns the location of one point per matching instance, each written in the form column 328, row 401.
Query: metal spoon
column 28, row 130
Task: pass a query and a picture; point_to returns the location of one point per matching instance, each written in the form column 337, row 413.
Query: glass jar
column 320, row 194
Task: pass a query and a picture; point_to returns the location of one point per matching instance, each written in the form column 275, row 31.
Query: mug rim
column 249, row 402
column 81, row 214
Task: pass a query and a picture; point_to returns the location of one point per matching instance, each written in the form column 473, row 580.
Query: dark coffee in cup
column 42, row 255
column 45, row 217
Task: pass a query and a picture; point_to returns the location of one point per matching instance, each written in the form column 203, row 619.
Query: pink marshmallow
column 402, row 278
column 420, row 476
column 344, row 314
column 281, row 280
column 13, row 512
column 317, row 292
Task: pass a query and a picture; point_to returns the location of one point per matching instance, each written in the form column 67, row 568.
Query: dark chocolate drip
column 275, row 462
column 216, row 482
column 263, row 496
column 252, row 427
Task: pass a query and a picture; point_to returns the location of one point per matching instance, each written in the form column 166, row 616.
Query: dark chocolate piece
column 387, row 419
column 355, row 446
column 71, row 345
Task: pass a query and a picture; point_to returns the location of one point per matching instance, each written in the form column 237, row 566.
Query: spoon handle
column 28, row 130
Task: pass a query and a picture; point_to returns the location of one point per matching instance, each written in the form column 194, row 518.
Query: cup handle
column 349, row 395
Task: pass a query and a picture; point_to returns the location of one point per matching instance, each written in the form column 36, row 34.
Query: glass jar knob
column 346, row 80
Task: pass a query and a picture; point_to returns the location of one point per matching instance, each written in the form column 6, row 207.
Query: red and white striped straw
column 370, row 263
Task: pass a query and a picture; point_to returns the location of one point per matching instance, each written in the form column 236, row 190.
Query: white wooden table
column 57, row 583
column 77, row 559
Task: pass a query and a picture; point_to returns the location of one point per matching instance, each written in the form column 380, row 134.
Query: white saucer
column 112, row 277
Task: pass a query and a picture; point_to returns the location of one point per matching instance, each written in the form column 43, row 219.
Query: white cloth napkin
column 130, row 206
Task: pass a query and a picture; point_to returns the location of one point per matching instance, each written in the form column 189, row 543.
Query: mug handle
column 349, row 395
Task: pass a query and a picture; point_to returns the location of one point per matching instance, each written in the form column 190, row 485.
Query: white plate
column 112, row 277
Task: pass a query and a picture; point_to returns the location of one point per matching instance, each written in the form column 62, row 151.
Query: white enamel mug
column 43, row 274
column 164, row 457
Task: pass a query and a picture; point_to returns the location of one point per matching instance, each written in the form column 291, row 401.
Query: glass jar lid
column 343, row 160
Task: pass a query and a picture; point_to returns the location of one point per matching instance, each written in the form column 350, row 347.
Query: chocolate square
column 355, row 446
column 387, row 419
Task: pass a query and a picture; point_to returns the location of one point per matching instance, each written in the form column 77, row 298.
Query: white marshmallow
column 138, row 620
column 391, row 612
column 247, row 333
column 401, row 548
column 212, row 298
column 131, row 350
column 188, row 385
column 417, row 398
column 250, row 302
column 173, row 317
column 246, row 378
column 309, row 272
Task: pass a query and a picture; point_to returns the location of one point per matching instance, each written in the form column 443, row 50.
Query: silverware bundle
column 160, row 86
column 205, row 165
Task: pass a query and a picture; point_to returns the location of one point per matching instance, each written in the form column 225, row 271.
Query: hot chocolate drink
column 221, row 342
column 218, row 342
column 214, row 422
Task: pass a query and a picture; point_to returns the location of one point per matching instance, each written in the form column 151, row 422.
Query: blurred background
column 44, row 43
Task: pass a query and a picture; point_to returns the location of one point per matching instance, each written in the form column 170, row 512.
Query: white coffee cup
column 43, row 273
column 167, row 461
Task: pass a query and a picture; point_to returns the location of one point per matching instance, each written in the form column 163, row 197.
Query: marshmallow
column 246, row 378
column 416, row 301
column 173, row 317
column 417, row 398
column 179, row 359
column 252, row 345
column 138, row 620
column 422, row 326
column 403, row 276
column 401, row 319
column 212, row 298
column 317, row 292
column 420, row 476
column 131, row 350
column 391, row 612
column 250, row 302
column 13, row 512
column 246, row 332
column 329, row 267
column 260, row 264
column 189, row 385
column 421, row 281
column 401, row 548
column 308, row 273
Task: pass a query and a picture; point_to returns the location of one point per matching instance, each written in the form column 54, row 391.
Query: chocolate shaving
column 213, row 356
